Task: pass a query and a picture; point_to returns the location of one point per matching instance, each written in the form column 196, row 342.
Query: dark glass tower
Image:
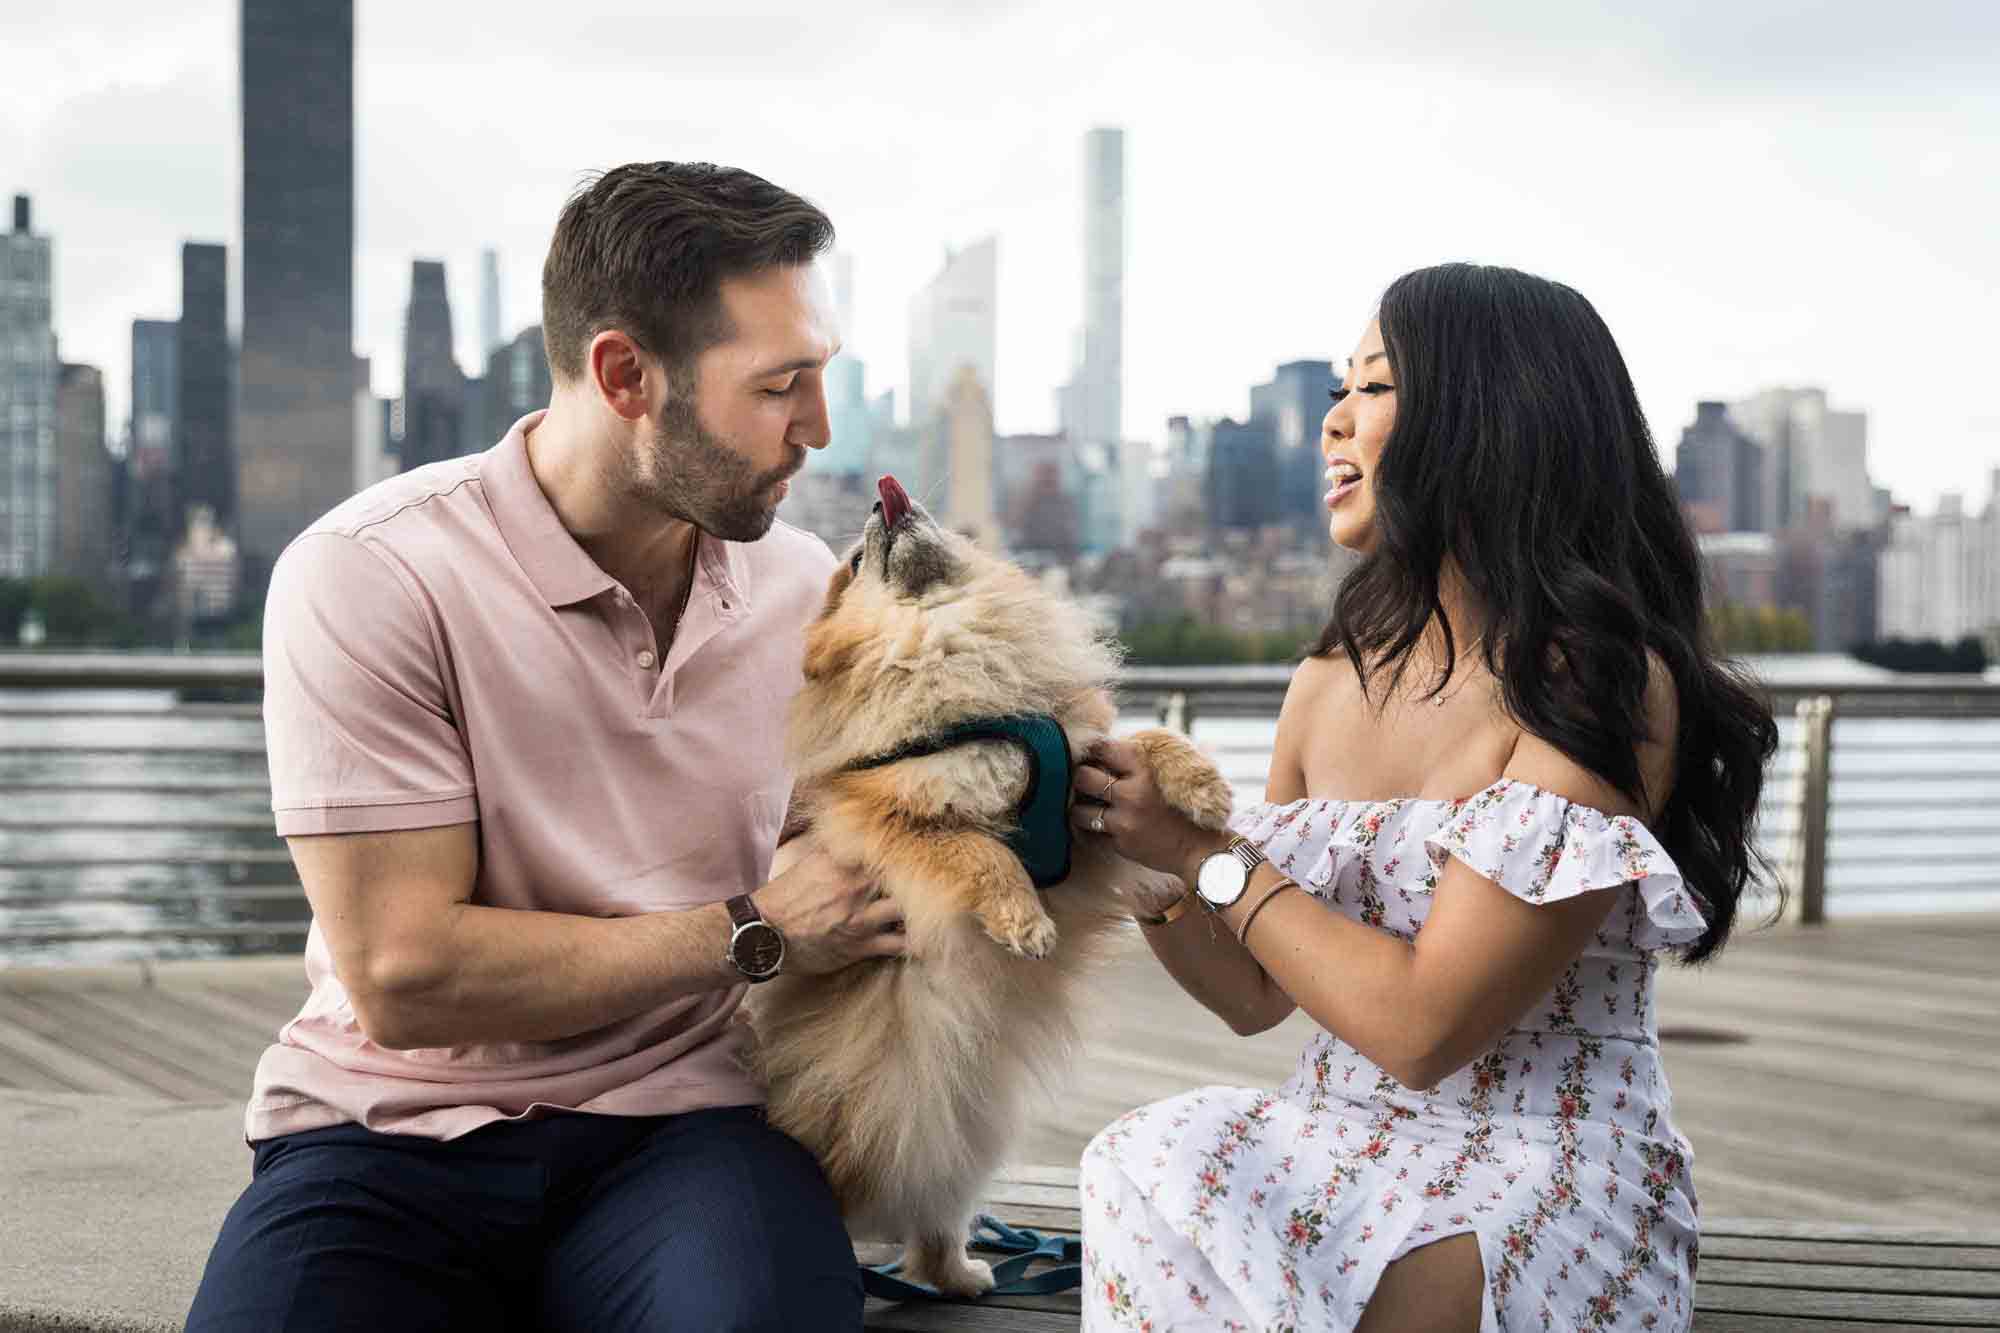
column 295, row 436
column 433, row 387
column 205, row 465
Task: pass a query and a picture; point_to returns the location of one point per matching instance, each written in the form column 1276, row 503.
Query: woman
column 1507, row 777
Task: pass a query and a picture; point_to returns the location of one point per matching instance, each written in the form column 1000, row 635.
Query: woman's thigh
column 1436, row 1288
column 715, row 1221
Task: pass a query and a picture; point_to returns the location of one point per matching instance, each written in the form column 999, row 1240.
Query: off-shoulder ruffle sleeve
column 1543, row 848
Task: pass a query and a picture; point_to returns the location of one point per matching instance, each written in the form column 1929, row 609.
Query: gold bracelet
column 1168, row 917
column 1243, row 931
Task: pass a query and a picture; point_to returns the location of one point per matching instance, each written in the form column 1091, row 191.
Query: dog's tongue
column 895, row 501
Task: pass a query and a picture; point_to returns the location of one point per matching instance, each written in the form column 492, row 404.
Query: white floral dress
column 1231, row 1208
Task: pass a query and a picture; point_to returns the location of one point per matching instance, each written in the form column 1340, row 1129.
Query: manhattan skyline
column 1748, row 201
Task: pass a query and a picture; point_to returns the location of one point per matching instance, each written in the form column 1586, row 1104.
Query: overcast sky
column 1753, row 192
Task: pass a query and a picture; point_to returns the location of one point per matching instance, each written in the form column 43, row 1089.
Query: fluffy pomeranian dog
column 908, row 1077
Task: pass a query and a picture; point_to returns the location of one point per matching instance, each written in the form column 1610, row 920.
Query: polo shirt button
column 646, row 657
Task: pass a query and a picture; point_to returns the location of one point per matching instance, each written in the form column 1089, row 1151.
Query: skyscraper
column 1294, row 406
column 968, row 440
column 433, row 386
column 489, row 303
column 295, row 433
column 1719, row 472
column 82, row 543
column 848, row 415
column 146, row 507
column 204, row 461
column 28, row 376
column 516, row 383
column 954, row 323
column 1811, row 451
column 156, row 381
column 1093, row 402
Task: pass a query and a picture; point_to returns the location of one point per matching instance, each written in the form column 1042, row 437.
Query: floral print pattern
column 1237, row 1209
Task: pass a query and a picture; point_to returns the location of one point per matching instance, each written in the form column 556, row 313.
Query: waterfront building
column 155, row 397
column 953, row 325
column 489, row 303
column 1719, row 473
column 1292, row 406
column 1091, row 405
column 83, row 538
column 28, row 379
column 433, row 386
column 295, row 435
column 1242, row 486
column 1940, row 573
column 1809, row 451
column 203, row 461
column 516, row 383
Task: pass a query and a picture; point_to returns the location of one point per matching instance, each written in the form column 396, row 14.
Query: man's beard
column 699, row 479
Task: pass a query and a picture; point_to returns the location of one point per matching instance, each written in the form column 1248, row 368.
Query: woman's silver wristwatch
column 1222, row 877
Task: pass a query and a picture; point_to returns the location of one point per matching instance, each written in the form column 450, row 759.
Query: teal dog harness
column 1040, row 837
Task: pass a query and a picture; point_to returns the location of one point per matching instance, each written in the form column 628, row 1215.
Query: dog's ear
column 830, row 647
column 835, row 586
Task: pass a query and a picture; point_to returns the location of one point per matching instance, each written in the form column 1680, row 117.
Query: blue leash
column 989, row 1233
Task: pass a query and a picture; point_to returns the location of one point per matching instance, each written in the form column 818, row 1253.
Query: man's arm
column 424, row 966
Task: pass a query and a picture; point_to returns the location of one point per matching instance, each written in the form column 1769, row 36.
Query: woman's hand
column 1116, row 799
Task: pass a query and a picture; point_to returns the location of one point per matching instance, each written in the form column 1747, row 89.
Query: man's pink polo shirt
column 439, row 650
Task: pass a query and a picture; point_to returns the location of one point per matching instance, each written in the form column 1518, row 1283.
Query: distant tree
column 1967, row 655
column 72, row 614
column 1186, row 641
column 1760, row 629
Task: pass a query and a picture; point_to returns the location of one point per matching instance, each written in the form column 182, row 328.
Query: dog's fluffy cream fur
column 908, row 1077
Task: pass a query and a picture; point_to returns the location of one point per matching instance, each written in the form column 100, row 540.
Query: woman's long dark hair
column 1520, row 453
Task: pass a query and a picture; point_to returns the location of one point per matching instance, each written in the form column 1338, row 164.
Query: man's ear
column 621, row 372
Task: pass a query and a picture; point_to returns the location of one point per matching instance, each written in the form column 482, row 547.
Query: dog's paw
column 963, row 1276
column 1187, row 779
column 1023, row 928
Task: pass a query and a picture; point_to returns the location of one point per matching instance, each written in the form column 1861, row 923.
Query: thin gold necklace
column 1439, row 700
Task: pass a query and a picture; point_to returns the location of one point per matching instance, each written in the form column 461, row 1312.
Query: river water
column 121, row 813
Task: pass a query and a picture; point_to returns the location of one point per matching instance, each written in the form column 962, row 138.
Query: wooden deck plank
column 165, row 1020
column 1715, row 1321
column 1950, row 1311
column 43, row 1064
column 1850, row 1253
column 1846, row 1277
column 969, row 1318
column 109, row 1044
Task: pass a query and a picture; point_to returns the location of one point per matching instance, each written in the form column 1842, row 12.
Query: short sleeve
column 357, row 722
column 1543, row 848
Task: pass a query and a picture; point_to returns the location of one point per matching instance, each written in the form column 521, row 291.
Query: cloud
column 1751, row 192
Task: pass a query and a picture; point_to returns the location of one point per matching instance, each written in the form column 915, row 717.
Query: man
column 525, row 715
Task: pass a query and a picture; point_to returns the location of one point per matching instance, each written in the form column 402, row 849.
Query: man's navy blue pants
column 708, row 1221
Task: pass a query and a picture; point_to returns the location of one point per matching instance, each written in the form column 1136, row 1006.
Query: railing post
column 1815, row 715
column 1176, row 710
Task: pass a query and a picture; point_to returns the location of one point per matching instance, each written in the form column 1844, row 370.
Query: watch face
column 1221, row 879
column 757, row 949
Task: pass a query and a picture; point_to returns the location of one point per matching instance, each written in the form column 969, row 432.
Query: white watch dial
column 1221, row 879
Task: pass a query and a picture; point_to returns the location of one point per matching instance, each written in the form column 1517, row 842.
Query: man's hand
column 830, row 914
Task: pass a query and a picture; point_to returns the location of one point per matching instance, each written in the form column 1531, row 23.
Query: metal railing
column 139, row 820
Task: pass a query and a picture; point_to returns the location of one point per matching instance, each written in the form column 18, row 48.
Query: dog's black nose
column 875, row 508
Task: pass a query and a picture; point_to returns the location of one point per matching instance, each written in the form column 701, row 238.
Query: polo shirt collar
column 559, row 568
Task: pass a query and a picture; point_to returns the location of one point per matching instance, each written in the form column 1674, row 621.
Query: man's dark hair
column 643, row 248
